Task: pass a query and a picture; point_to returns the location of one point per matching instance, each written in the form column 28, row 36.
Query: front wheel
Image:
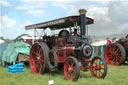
column 71, row 69
column 98, row 67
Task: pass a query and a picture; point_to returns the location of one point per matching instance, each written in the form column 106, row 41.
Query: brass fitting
column 82, row 11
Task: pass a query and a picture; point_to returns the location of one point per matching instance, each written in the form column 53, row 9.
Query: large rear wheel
column 115, row 54
column 71, row 69
column 38, row 58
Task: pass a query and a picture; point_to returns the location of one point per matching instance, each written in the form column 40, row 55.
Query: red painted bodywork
column 64, row 50
column 124, row 42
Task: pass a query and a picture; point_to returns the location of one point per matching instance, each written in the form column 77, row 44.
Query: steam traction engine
column 117, row 53
column 69, row 49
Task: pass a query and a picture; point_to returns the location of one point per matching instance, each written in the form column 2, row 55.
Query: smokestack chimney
column 82, row 23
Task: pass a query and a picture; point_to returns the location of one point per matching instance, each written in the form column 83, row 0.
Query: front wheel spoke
column 94, row 67
column 95, row 72
column 97, row 61
column 102, row 68
column 100, row 72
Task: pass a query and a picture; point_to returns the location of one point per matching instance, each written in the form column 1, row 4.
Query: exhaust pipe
column 83, row 49
column 83, row 24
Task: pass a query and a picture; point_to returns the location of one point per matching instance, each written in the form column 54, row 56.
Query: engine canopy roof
column 60, row 23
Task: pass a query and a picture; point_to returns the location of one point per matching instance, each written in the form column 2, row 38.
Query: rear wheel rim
column 97, row 68
column 113, row 55
column 36, row 60
column 70, row 69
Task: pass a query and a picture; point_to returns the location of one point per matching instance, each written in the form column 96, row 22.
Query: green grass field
column 117, row 75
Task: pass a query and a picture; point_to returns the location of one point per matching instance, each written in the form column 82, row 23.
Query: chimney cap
column 82, row 11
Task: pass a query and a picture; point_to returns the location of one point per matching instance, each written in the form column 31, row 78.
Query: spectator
column 108, row 41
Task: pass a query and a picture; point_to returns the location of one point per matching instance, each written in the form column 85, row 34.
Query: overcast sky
column 110, row 16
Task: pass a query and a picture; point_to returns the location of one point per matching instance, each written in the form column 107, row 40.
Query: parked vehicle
column 117, row 53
